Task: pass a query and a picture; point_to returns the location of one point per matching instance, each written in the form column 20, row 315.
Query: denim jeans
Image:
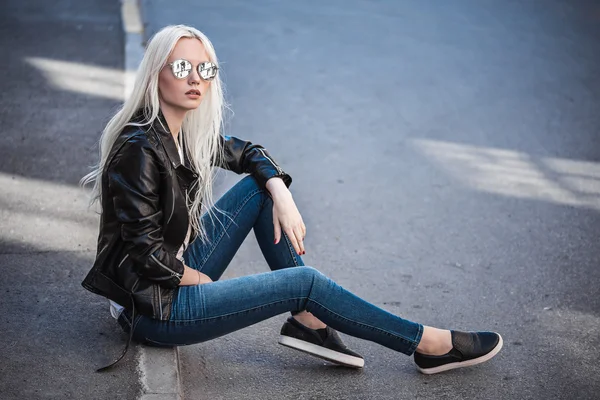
column 207, row 311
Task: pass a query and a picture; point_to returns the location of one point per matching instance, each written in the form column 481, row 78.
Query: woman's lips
column 194, row 94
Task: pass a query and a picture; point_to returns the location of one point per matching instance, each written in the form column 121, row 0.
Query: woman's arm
column 244, row 157
column 193, row 277
column 241, row 156
column 286, row 215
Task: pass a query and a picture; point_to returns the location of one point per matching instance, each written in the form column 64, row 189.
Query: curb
column 160, row 376
column 159, row 373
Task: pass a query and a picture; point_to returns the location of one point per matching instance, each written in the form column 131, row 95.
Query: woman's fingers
column 204, row 278
column 300, row 239
column 295, row 238
column 292, row 237
column 286, row 218
column 277, row 228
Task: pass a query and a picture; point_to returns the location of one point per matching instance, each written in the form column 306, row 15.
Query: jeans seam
column 238, row 312
column 236, row 213
column 417, row 340
column 203, row 299
column 411, row 341
column 290, row 248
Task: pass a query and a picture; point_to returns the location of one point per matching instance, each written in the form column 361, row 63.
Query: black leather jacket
column 144, row 214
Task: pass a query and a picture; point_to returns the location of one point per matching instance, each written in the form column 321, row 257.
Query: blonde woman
column 160, row 257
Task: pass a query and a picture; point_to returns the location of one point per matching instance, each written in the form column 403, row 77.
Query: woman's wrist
column 277, row 188
column 190, row 276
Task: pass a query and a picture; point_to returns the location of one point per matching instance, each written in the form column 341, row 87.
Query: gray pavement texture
column 62, row 77
column 446, row 160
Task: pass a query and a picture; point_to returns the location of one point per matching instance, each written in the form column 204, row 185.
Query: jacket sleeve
column 133, row 182
column 241, row 157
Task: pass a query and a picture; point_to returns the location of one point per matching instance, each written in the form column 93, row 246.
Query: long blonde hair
column 201, row 127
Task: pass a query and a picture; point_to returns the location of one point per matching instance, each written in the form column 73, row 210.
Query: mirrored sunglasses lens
column 181, row 68
column 207, row 71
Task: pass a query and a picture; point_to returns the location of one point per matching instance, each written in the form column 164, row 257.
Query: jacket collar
column 166, row 138
column 161, row 129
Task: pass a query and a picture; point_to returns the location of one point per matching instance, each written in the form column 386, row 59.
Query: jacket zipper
column 122, row 261
column 173, row 273
column 160, row 302
column 173, row 200
column 279, row 170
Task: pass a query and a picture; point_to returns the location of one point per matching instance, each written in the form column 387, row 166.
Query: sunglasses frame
column 199, row 68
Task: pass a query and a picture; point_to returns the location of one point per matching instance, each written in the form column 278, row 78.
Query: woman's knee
column 250, row 184
column 308, row 274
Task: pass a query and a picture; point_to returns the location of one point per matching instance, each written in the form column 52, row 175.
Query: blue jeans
column 207, row 311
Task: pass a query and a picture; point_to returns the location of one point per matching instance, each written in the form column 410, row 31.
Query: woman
column 160, row 259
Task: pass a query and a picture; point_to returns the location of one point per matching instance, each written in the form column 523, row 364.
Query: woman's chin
column 190, row 104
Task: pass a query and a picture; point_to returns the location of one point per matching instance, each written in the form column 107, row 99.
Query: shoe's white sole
column 321, row 352
column 468, row 363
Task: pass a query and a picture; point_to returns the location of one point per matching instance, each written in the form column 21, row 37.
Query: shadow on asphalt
column 62, row 81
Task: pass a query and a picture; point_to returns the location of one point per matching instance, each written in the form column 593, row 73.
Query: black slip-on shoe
column 299, row 337
column 469, row 348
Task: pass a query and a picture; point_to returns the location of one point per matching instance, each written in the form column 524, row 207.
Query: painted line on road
column 133, row 29
column 159, row 367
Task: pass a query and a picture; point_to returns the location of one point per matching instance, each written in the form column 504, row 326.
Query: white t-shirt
column 189, row 231
column 115, row 308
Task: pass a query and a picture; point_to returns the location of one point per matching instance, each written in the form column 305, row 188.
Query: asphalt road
column 61, row 79
column 446, row 160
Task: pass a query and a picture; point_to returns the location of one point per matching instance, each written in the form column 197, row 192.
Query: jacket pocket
column 163, row 266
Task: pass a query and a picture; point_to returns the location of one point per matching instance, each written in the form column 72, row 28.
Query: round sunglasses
column 181, row 69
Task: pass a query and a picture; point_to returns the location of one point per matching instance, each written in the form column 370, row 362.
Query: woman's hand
column 192, row 277
column 286, row 215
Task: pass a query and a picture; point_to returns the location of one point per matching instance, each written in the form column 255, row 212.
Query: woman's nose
column 194, row 77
